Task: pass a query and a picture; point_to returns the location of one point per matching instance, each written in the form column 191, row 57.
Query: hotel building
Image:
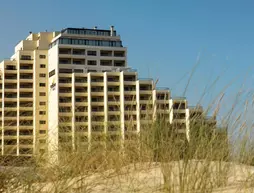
column 72, row 88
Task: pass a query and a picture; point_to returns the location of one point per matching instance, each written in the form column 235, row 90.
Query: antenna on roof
column 30, row 32
column 111, row 30
column 95, row 27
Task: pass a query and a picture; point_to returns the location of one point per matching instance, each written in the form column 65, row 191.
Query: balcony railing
column 179, row 98
column 162, row 88
column 25, row 58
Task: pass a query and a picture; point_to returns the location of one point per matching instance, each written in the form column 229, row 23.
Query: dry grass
column 159, row 159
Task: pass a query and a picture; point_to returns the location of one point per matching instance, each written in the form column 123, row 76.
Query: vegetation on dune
column 158, row 159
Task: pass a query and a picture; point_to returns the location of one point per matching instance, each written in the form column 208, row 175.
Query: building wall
column 54, row 98
column 53, row 103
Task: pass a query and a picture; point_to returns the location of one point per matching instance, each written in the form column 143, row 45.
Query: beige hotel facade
column 67, row 89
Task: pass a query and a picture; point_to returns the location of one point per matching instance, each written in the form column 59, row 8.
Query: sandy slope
column 147, row 177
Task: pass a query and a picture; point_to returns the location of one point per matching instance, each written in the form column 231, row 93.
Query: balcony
column 97, row 81
column 80, row 84
column 79, row 104
column 131, row 90
column 67, row 114
column 65, row 92
column 162, row 111
column 26, row 99
column 10, row 118
column 162, row 89
column 97, row 113
column 105, row 53
column 81, row 89
column 113, row 83
column 80, row 94
column 115, row 113
column 25, row 127
column 64, row 52
column 25, row 89
column 97, row 89
column 63, row 100
column 8, row 133
column 106, row 63
column 98, row 123
column 114, row 103
column 84, row 113
column 146, row 102
column 162, row 96
column 10, row 108
column 129, row 77
column 65, row 124
column 148, row 92
column 66, row 84
column 79, row 52
column 65, row 109
column 10, row 95
column 26, row 95
column 65, row 61
column 65, row 75
column 10, row 99
column 26, row 104
column 147, row 112
column 10, row 88
column 145, row 97
column 10, row 70
column 26, row 78
column 26, row 68
column 25, row 118
column 79, row 124
column 78, row 61
column 114, row 98
column 80, row 81
column 162, row 102
column 119, row 54
column 146, row 121
column 26, row 57
column 119, row 63
column 10, row 78
column 98, row 103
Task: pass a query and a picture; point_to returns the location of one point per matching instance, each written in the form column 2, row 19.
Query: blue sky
column 165, row 38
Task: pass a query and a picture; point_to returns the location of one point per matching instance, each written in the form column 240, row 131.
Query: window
column 42, row 94
column 42, row 131
column 42, row 122
column 90, row 42
column 42, row 112
column 42, row 84
column 42, row 75
column 52, row 73
column 42, row 140
column 91, row 71
column 42, row 103
column 78, row 70
column 9, row 67
column 63, row 70
column 25, row 57
column 91, row 53
column 91, row 62
column 43, row 65
column 42, row 56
